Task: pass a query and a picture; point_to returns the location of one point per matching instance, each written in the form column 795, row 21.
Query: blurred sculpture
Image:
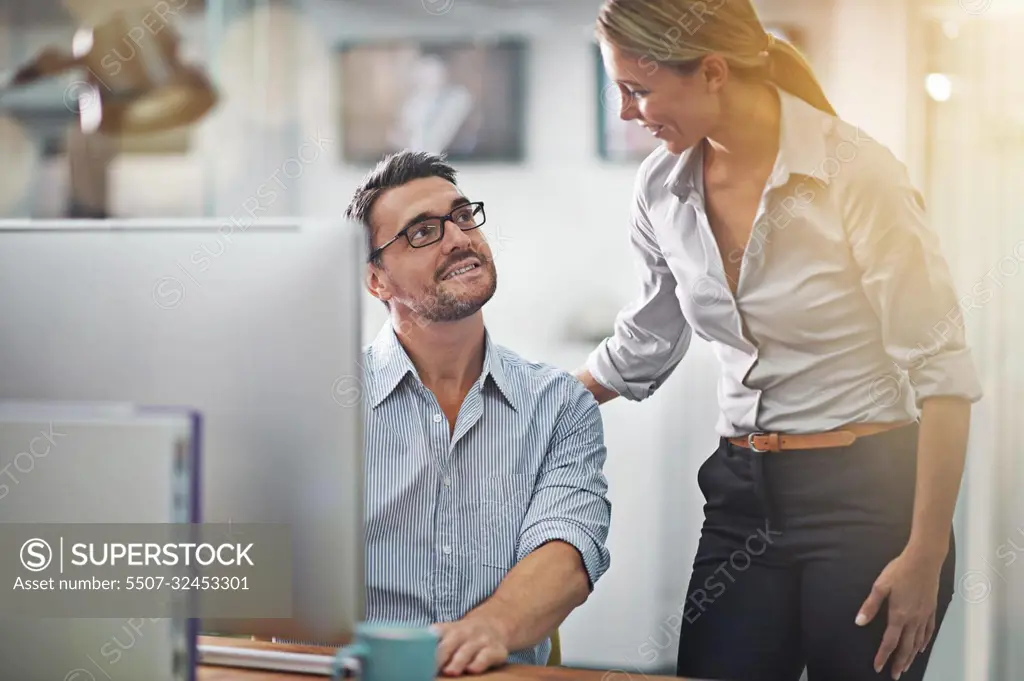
column 131, row 81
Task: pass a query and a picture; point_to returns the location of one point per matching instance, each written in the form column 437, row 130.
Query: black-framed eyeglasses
column 430, row 230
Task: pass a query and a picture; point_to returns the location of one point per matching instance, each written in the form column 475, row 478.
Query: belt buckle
column 750, row 443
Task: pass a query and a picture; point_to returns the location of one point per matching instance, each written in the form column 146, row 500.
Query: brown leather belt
column 841, row 437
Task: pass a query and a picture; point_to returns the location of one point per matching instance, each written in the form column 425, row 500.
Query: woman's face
column 678, row 109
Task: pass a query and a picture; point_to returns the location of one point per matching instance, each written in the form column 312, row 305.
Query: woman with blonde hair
column 796, row 245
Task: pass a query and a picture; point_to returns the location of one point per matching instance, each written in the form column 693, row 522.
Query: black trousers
column 791, row 544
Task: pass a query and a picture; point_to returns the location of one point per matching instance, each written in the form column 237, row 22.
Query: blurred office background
column 310, row 91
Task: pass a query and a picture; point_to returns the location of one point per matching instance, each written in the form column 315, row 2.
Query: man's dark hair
column 393, row 170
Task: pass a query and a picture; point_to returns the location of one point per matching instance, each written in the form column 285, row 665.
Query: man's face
column 432, row 281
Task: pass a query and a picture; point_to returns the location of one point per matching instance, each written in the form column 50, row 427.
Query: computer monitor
column 64, row 464
column 256, row 327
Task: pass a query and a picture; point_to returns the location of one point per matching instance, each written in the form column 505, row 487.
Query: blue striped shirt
column 449, row 514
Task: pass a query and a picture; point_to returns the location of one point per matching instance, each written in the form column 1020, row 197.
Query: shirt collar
column 687, row 176
column 494, row 366
column 390, row 364
column 802, row 149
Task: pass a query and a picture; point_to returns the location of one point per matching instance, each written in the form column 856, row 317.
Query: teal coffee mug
column 389, row 652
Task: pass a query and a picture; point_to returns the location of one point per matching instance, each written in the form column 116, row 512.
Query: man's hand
column 911, row 584
column 472, row 645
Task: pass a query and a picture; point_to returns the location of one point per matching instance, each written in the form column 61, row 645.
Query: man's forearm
column 942, row 448
column 537, row 594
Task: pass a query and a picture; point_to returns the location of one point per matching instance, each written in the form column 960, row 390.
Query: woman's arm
column 601, row 393
column 650, row 335
column 942, row 450
column 907, row 281
column 910, row 583
column 904, row 275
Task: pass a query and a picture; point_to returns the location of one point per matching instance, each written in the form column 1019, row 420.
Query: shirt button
column 437, row 418
column 447, row 550
column 447, row 481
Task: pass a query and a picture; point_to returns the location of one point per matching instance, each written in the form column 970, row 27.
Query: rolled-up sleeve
column 651, row 334
column 570, row 500
column 907, row 280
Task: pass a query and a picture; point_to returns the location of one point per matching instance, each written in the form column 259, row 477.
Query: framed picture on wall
column 462, row 99
column 618, row 140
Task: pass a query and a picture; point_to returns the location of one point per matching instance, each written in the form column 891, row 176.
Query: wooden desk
column 510, row 673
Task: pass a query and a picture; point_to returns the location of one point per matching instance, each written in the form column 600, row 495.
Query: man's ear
column 376, row 284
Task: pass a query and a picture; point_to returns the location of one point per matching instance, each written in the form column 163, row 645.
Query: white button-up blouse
column 845, row 309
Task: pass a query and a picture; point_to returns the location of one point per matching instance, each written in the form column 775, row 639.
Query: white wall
column 868, row 63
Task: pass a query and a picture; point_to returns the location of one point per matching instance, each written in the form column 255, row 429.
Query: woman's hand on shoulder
column 600, row 393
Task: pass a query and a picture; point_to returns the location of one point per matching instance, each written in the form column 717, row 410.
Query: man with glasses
column 486, row 508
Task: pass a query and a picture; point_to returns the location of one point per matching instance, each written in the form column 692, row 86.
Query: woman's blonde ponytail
column 789, row 70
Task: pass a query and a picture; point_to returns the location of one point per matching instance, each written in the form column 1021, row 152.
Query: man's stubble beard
column 445, row 306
